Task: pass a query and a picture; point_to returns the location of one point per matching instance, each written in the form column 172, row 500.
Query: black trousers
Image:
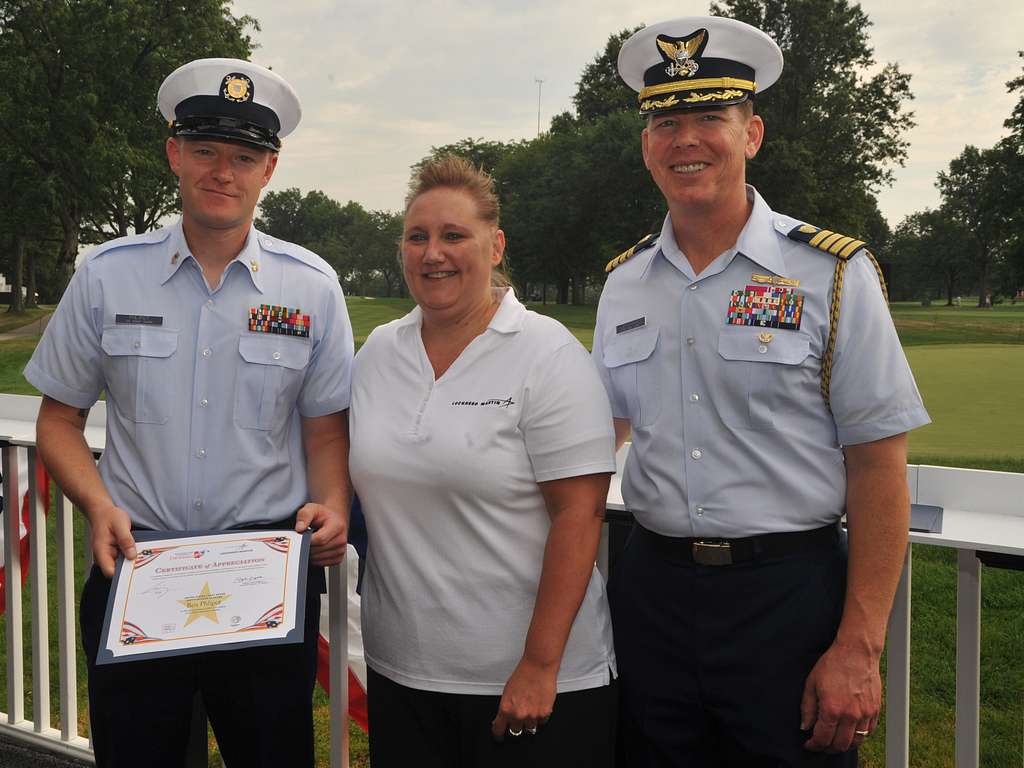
column 426, row 729
column 259, row 700
column 713, row 659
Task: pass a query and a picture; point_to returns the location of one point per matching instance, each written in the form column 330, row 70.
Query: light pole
column 539, row 84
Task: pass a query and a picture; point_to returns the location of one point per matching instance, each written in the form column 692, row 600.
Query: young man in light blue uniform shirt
column 761, row 409
column 225, row 355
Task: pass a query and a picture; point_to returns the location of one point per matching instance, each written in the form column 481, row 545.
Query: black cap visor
column 216, row 118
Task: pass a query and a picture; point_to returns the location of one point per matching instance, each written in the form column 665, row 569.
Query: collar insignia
column 680, row 52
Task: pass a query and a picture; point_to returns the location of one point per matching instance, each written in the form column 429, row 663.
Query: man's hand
column 327, row 546
column 111, row 534
column 526, row 702
column 842, row 698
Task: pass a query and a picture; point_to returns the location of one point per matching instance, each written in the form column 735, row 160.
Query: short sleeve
column 566, row 421
column 618, row 406
column 67, row 362
column 873, row 393
column 328, row 384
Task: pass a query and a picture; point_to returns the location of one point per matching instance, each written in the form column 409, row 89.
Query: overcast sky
column 381, row 81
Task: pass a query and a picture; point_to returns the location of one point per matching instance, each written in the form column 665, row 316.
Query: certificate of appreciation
column 189, row 593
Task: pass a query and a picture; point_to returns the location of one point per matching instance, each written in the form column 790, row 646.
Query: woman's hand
column 527, row 700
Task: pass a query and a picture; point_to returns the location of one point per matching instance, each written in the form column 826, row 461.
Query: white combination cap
column 231, row 100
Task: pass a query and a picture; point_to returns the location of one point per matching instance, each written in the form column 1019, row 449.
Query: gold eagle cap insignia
column 679, row 54
column 237, row 88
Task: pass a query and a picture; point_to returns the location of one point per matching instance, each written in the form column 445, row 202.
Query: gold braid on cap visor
column 692, row 85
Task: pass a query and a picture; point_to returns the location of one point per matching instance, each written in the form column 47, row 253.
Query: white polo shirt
column 447, row 474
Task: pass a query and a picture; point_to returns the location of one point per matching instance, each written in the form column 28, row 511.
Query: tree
column 600, row 91
column 976, row 191
column 1015, row 122
column 80, row 80
column 931, row 252
column 834, row 131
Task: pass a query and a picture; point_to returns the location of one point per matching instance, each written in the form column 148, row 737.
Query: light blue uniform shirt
column 203, row 428
column 731, row 436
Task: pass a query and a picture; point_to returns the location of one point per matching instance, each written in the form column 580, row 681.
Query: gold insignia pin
column 236, row 88
column 765, row 337
column 254, row 265
column 174, row 258
column 789, row 282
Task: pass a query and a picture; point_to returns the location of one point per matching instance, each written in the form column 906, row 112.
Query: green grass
column 970, row 367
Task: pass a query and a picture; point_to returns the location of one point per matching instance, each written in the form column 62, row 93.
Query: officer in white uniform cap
column 753, row 359
column 225, row 356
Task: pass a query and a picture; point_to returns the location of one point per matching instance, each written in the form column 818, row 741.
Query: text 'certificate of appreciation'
column 189, row 593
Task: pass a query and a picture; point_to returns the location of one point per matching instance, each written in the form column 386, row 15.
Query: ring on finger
column 532, row 731
column 863, row 733
column 516, row 732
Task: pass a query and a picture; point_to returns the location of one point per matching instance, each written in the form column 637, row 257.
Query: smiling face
column 220, row 181
column 448, row 252
column 697, row 157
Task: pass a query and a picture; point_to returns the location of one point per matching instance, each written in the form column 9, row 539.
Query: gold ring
column 862, row 733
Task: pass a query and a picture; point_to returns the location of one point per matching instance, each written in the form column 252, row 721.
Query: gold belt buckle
column 712, row 553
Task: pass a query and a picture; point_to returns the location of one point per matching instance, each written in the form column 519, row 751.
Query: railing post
column 968, row 656
column 12, row 582
column 897, row 673
column 40, row 601
column 66, row 615
column 337, row 600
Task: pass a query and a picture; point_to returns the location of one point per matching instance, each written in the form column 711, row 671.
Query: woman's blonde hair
column 454, row 172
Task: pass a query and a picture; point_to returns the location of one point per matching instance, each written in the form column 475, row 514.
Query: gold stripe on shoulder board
column 622, row 258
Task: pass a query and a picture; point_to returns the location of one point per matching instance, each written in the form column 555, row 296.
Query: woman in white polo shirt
column 481, row 451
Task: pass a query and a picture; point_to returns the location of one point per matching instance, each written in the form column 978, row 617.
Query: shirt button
column 209, row 303
column 763, row 348
column 690, row 340
column 700, row 511
column 276, row 355
column 207, row 352
column 201, row 453
column 693, row 287
column 203, row 403
column 198, row 504
column 694, row 397
column 696, row 453
column 137, row 344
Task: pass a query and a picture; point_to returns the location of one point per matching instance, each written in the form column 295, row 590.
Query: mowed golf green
column 973, row 393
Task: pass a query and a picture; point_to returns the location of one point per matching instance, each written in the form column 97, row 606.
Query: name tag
column 640, row 322
column 138, row 319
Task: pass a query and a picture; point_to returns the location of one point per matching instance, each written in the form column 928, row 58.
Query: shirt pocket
column 630, row 360
column 270, row 373
column 756, row 373
column 139, row 371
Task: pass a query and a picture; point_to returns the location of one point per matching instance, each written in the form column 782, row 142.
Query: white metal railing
column 17, row 436
column 983, row 511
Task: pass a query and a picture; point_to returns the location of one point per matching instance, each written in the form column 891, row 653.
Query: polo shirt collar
column 178, row 253
column 508, row 319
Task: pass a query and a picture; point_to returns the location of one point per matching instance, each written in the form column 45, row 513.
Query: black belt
column 711, row 551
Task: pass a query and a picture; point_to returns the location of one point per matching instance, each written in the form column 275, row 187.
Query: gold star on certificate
column 203, row 605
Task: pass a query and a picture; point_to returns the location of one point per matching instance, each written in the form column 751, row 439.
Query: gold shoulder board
column 841, row 246
column 626, row 255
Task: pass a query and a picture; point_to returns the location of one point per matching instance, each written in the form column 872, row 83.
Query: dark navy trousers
column 713, row 659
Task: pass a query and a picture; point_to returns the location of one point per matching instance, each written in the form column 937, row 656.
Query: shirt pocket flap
column 746, row 343
column 631, row 347
column 139, row 341
column 274, row 349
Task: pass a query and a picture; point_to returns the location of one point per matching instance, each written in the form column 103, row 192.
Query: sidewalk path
column 32, row 329
column 19, row 756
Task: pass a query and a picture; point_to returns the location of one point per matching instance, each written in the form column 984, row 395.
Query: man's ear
column 173, row 148
column 755, row 135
